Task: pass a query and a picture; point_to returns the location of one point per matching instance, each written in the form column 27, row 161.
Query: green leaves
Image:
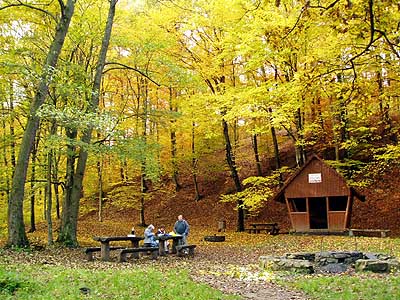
column 257, row 191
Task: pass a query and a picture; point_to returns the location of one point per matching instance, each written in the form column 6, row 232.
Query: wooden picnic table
column 105, row 243
column 162, row 238
column 272, row 228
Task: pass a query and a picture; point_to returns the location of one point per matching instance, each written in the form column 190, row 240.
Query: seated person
column 161, row 232
column 149, row 238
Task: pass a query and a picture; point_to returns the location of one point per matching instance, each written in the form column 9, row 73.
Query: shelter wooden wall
column 332, row 183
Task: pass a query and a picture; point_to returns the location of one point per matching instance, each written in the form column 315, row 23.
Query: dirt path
column 234, row 271
column 253, row 290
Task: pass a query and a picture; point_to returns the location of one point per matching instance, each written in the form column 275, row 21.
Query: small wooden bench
column 383, row 232
column 90, row 250
column 180, row 250
column 123, row 253
column 271, row 228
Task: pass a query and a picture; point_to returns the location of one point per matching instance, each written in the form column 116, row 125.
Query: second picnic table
column 105, row 243
column 271, row 228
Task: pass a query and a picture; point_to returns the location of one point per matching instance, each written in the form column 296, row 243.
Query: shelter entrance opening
column 318, row 213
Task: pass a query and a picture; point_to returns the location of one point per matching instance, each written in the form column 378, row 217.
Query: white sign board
column 314, row 178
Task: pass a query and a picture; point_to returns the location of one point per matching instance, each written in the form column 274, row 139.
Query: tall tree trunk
column 49, row 186
column 299, row 143
column 49, row 197
column 16, row 227
column 175, row 173
column 342, row 131
column 382, row 106
column 230, row 158
column 143, row 168
column 197, row 195
column 56, row 185
column 32, row 185
column 100, row 164
column 277, row 156
column 123, row 170
column 69, row 220
column 344, row 134
column 143, row 191
column 5, row 159
column 71, row 134
column 385, row 111
column 32, row 197
column 100, row 188
column 256, row 154
column 235, row 136
column 340, row 119
column 12, row 129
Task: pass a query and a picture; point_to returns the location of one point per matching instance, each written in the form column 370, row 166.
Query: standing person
column 149, row 239
column 182, row 227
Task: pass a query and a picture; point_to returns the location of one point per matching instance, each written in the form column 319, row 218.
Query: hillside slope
column 380, row 210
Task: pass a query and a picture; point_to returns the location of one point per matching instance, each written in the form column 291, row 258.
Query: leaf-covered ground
column 230, row 266
column 226, row 268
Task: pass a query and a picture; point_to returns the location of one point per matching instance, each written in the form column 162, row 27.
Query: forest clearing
column 125, row 113
column 231, row 267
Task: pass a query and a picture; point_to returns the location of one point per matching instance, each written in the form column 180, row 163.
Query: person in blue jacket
column 182, row 227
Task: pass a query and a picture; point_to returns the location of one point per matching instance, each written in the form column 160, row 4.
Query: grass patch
column 10, row 282
column 344, row 287
column 53, row 282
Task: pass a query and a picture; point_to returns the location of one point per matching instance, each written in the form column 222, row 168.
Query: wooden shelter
column 318, row 198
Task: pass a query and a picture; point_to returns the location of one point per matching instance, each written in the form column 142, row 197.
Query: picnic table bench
column 383, row 232
column 271, row 228
column 105, row 244
column 91, row 250
column 123, row 253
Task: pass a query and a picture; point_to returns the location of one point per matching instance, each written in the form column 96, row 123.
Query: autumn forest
column 96, row 93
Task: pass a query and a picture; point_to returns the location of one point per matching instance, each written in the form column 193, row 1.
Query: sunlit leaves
column 258, row 190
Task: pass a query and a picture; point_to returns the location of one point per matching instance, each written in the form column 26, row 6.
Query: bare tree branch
column 122, row 66
column 325, row 7
column 374, row 30
column 303, row 9
column 390, row 43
